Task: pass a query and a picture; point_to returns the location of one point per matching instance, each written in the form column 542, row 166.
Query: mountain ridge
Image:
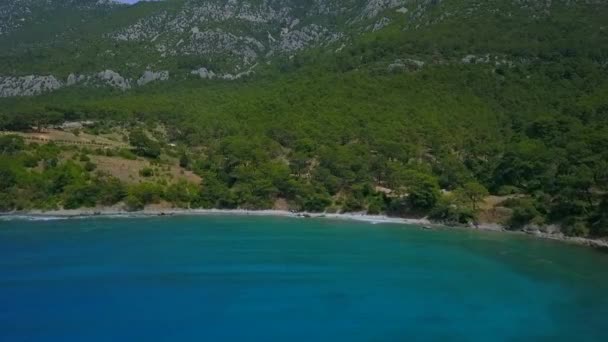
column 230, row 39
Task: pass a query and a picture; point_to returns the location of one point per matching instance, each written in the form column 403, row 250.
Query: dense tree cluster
column 343, row 131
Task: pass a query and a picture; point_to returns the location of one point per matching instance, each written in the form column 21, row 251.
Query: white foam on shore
column 29, row 218
column 85, row 214
column 372, row 219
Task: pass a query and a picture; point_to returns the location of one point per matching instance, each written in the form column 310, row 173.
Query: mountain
column 457, row 110
column 51, row 44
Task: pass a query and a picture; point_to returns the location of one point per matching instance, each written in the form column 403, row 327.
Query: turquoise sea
column 218, row 278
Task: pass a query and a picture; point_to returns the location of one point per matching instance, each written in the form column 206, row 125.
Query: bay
column 238, row 278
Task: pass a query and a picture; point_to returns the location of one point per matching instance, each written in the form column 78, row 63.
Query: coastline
column 118, row 212
column 150, row 212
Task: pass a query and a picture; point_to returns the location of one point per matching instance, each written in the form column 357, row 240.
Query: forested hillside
column 410, row 108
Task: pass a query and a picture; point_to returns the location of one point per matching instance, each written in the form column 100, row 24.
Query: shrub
column 80, row 195
column 147, row 192
column 146, row 172
column 424, row 194
column 374, row 209
column 449, row 210
column 133, row 203
column 89, row 166
column 143, row 145
column 524, row 213
column 352, row 205
column 316, row 203
column 11, row 144
column 575, row 228
column 126, row 154
column 506, row 190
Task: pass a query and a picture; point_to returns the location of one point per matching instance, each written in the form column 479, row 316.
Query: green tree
column 524, row 212
column 89, row 166
column 316, row 202
column 7, row 176
column 182, row 193
column 472, row 193
column 184, row 160
column 133, row 203
column 599, row 220
column 143, row 145
column 146, row 192
column 111, row 190
column 80, row 195
column 424, row 193
column 451, row 211
column 215, row 193
column 11, row 144
column 146, row 172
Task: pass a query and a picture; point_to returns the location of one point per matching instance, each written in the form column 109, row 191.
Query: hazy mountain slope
column 232, row 39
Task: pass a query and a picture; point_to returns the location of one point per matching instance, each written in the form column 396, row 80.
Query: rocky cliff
column 50, row 44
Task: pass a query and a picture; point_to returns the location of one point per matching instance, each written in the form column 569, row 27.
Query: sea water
column 219, row 278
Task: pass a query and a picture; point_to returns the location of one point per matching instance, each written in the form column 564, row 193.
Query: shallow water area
column 224, row 278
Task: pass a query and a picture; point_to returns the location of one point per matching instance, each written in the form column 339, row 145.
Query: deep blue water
column 279, row 279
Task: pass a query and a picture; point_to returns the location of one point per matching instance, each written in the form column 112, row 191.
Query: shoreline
column 154, row 212
column 117, row 212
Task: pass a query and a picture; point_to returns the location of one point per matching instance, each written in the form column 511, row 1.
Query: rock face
column 76, row 79
column 380, row 24
column 113, row 79
column 15, row 14
column 224, row 38
column 375, row 7
column 103, row 78
column 28, row 85
column 240, row 33
column 210, row 42
column 151, row 76
column 34, row 85
column 406, row 64
column 294, row 40
column 204, row 73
